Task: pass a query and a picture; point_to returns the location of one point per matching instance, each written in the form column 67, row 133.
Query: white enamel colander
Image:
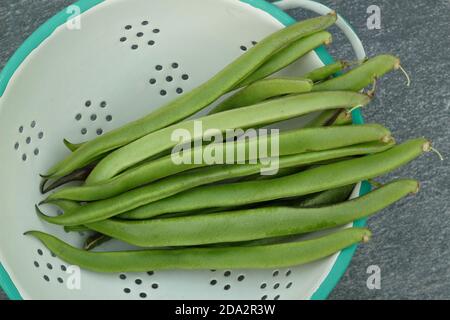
column 77, row 83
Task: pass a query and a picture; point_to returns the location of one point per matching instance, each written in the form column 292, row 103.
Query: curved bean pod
column 323, row 73
column 259, row 257
column 246, row 117
column 306, row 182
column 260, row 223
column 192, row 102
column 287, row 56
column 263, row 90
column 291, row 142
column 361, row 76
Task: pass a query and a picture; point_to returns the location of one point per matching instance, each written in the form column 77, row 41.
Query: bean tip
column 365, row 238
column 416, row 191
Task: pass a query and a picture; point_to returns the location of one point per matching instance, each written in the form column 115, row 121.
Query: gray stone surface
column 411, row 238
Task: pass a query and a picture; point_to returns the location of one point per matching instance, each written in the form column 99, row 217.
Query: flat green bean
column 361, row 76
column 323, row 73
column 263, row 90
column 260, row 223
column 246, row 117
column 193, row 101
column 287, row 56
column 306, row 182
column 258, row 257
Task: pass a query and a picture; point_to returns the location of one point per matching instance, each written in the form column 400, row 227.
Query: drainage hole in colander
column 185, row 77
column 128, row 27
column 138, row 281
column 227, row 273
column 151, row 43
column 134, row 46
column 144, row 23
column 163, row 92
column 150, row 273
column 276, row 273
column 169, row 78
column 84, row 131
column 40, row 135
column 264, row 297
column 88, row 103
column 103, row 104
column 21, row 129
column 24, row 157
column 155, row 286
column 93, row 117
column 109, row 118
column 243, row 48
column 16, row 146
column 213, row 282
column 158, row 67
column 179, row 90
column 123, row 277
column 277, row 297
column 254, row 43
column 36, row 264
column 40, row 252
column 289, row 285
column 152, row 81
column 143, row 295
column 60, row 280
column 156, row 30
column 175, row 65
column 123, row 39
column 63, row 268
column 33, row 124
column 276, row 286
column 46, row 278
column 288, row 273
column 127, row 290
column 28, row 140
column 78, row 117
column 139, row 34
column 36, row 151
column 49, row 266
column 227, row 287
column 263, row 285
column 241, row 278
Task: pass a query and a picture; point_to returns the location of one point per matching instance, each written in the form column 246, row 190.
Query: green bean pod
column 246, row 117
column 287, row 56
column 361, row 76
column 327, row 197
column 291, row 142
column 260, row 223
column 258, row 257
column 306, row 182
column 325, row 72
column 336, row 117
column 195, row 100
column 263, row 90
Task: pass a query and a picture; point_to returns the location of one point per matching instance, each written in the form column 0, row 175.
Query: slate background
column 411, row 238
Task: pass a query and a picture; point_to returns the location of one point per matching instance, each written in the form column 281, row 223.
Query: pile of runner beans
column 225, row 216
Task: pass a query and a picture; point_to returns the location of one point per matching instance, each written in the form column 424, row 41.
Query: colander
column 128, row 58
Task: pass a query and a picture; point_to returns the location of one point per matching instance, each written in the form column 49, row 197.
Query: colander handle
column 321, row 9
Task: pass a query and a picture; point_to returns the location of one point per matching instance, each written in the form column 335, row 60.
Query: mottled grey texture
column 411, row 238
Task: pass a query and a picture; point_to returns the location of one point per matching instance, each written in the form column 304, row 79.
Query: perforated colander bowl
column 128, row 58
